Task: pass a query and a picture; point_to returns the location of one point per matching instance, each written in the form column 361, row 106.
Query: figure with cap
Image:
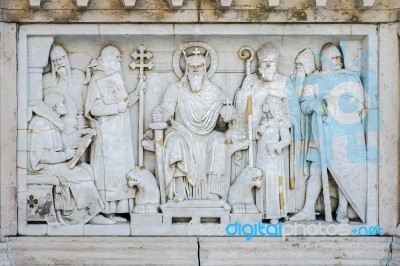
column 335, row 96
column 304, row 69
column 267, row 81
column 112, row 155
column 195, row 152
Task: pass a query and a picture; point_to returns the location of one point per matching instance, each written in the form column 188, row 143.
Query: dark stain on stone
column 354, row 18
column 258, row 15
column 297, row 15
column 44, row 209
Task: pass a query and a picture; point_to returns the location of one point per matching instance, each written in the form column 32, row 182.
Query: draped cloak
column 343, row 131
column 79, row 201
column 111, row 151
column 190, row 140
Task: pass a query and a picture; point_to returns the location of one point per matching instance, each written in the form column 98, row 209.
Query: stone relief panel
column 146, row 134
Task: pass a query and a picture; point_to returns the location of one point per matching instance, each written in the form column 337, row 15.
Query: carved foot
column 239, row 209
column 213, row 197
column 100, row 219
column 251, row 208
column 303, row 215
column 342, row 218
column 179, row 198
column 115, row 218
column 145, row 209
column 274, row 221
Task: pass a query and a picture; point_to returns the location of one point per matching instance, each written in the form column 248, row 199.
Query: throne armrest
column 42, row 180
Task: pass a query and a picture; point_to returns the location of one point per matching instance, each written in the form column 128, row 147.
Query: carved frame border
column 29, row 71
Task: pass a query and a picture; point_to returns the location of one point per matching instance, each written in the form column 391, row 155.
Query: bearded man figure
column 267, row 81
column 112, row 151
column 195, row 152
column 69, row 83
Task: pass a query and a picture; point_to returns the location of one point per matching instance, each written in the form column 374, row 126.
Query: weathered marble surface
column 162, row 40
column 203, row 251
column 275, row 11
column 8, row 116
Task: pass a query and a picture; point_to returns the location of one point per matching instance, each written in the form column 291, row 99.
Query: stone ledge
column 99, row 250
column 295, row 251
column 210, row 251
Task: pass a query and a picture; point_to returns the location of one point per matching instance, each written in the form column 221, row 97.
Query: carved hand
column 270, row 148
column 122, row 105
column 157, row 114
column 141, row 86
column 87, row 131
column 228, row 113
column 317, row 108
column 148, row 135
column 69, row 153
column 248, row 82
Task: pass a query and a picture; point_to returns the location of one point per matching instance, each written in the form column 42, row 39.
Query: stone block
column 224, row 3
column 294, row 251
column 321, row 3
column 175, row 3
column 35, row 3
column 119, row 229
column 129, row 3
column 99, row 250
column 82, row 3
column 368, row 3
column 146, row 218
column 245, row 218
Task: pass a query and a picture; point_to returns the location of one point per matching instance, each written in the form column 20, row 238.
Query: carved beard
column 116, row 67
column 300, row 72
column 195, row 81
column 62, row 72
column 268, row 73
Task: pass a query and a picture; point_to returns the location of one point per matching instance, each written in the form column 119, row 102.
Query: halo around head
column 212, row 54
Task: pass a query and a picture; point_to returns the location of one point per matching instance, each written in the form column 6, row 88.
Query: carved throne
column 190, row 211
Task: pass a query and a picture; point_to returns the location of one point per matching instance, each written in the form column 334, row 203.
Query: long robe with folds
column 112, row 154
column 79, row 201
column 343, row 133
column 283, row 88
column 192, row 148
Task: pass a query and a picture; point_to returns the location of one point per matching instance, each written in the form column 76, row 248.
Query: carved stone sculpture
column 194, row 153
column 240, row 195
column 147, row 198
column 274, row 136
column 304, row 67
column 69, row 83
column 112, row 152
column 79, row 202
column 267, row 81
column 334, row 100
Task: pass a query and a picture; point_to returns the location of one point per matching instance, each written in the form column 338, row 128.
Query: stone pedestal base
column 246, row 218
column 195, row 212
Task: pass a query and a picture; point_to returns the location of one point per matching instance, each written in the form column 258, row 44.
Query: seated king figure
column 195, row 151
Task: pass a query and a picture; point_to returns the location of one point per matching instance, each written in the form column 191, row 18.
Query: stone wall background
column 201, row 11
column 384, row 13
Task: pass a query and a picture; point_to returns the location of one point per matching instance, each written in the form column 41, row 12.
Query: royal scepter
column 142, row 55
column 249, row 110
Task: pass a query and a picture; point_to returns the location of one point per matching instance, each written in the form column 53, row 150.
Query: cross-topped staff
column 142, row 56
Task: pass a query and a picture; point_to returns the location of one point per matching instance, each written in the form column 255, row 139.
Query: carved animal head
column 139, row 177
column 252, row 176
